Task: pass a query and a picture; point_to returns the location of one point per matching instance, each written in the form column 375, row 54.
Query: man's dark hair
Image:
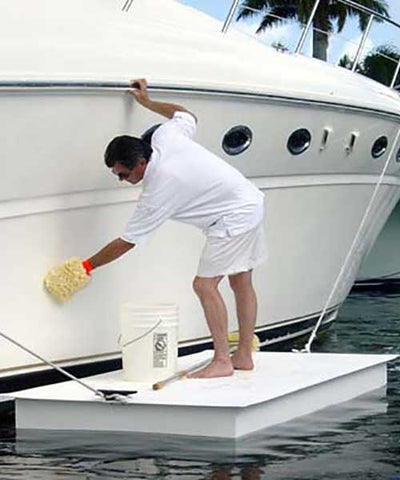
column 127, row 151
column 148, row 134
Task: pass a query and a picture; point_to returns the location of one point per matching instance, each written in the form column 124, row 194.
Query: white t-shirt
column 185, row 182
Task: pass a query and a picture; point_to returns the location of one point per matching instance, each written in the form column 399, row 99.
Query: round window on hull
column 379, row 147
column 237, row 140
column 398, row 156
column 299, row 141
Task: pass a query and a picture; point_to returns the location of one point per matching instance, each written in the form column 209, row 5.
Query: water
column 359, row 440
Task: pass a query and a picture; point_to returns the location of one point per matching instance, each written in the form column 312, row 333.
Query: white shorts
column 230, row 255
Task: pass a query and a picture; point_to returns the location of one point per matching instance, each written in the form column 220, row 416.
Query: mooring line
column 307, row 347
column 53, row 365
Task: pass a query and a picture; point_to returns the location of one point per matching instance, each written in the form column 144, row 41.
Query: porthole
column 379, row 147
column 237, row 140
column 299, row 141
column 146, row 137
column 398, row 156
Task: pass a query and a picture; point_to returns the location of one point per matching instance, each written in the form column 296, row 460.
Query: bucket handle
column 140, row 337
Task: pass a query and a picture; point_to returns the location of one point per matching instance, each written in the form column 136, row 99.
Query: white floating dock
column 283, row 386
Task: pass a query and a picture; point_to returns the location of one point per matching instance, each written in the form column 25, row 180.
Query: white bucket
column 149, row 340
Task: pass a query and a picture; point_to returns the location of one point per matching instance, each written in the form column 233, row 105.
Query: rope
column 389, row 275
column 56, row 367
column 307, row 347
column 108, row 397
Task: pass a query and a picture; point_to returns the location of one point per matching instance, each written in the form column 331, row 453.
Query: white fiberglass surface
column 159, row 39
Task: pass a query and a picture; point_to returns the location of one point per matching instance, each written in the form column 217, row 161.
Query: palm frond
column 338, row 12
column 249, row 8
column 378, row 6
column 276, row 16
column 329, row 13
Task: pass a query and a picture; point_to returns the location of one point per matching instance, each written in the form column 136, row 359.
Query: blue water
column 357, row 440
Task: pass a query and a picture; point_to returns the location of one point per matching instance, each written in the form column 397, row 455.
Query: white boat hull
column 60, row 104
column 381, row 268
column 58, row 200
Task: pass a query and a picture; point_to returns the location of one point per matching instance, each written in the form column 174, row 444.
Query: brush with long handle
column 233, row 339
column 180, row 375
column 66, row 279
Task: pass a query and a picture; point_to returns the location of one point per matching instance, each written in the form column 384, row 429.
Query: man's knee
column 240, row 281
column 202, row 286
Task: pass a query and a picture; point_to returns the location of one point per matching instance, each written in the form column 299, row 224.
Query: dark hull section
column 271, row 338
column 378, row 285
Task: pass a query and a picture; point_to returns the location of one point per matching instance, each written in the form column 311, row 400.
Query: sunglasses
column 123, row 175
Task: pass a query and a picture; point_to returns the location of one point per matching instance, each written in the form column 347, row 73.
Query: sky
column 289, row 33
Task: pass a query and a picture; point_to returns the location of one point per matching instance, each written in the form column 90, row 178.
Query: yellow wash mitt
column 66, row 279
column 233, row 339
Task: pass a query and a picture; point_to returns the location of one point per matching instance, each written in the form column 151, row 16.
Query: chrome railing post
column 228, row 19
column 307, row 27
column 362, row 43
column 127, row 5
column 396, row 73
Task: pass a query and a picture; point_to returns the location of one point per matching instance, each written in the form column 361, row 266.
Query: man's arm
column 110, row 252
column 66, row 279
column 139, row 91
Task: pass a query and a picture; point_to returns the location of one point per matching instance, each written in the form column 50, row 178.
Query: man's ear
column 142, row 164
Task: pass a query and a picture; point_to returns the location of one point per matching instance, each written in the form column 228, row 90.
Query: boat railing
column 235, row 4
column 127, row 5
column 373, row 16
column 62, row 85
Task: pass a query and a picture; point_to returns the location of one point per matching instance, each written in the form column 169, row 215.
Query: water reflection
column 248, row 472
column 304, row 441
column 353, row 441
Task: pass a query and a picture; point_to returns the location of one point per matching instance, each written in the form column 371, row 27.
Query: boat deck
column 283, row 386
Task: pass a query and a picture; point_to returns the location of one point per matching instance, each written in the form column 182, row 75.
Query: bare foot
column 242, row 361
column 217, row 368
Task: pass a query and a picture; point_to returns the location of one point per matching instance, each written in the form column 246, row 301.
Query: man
column 185, row 182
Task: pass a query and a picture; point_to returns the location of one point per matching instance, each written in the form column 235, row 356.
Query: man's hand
column 66, row 279
column 139, row 91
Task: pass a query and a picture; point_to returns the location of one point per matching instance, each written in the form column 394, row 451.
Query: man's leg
column 217, row 320
column 246, row 308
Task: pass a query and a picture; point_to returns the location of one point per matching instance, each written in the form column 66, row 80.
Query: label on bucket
column 160, row 350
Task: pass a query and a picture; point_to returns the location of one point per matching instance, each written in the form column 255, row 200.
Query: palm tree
column 379, row 64
column 330, row 15
column 346, row 61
